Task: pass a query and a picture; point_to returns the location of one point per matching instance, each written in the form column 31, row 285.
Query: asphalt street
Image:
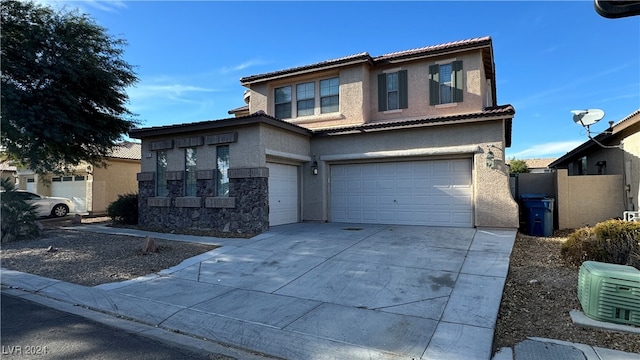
column 32, row 331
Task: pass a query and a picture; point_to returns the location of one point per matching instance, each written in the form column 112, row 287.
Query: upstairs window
column 305, row 96
column 161, row 173
column 329, row 95
column 222, row 170
column 190, row 172
column 392, row 91
column 283, row 102
column 445, row 83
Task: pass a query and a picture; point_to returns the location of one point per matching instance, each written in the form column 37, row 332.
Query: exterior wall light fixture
column 314, row 166
column 490, row 160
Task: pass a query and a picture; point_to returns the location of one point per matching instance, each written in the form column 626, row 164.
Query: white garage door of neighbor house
column 72, row 187
column 283, row 194
column 433, row 193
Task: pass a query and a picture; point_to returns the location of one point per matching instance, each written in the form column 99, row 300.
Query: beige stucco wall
column 284, row 145
column 248, row 151
column 253, row 143
column 118, row 178
column 418, row 91
column 359, row 94
column 494, row 205
column 631, row 145
column 588, row 199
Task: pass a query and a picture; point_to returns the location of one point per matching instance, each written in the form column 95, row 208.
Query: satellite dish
column 587, row 117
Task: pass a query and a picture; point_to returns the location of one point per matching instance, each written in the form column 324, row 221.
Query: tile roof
column 6, row 166
column 538, row 163
column 127, row 150
column 436, row 49
column 361, row 57
column 497, row 111
column 257, row 117
column 365, row 57
column 238, row 109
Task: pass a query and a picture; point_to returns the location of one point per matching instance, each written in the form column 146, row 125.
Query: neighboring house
column 8, row 171
column 91, row 188
column 537, row 166
column 533, row 182
column 600, row 179
column 400, row 138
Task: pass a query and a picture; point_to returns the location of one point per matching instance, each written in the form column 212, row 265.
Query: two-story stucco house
column 410, row 137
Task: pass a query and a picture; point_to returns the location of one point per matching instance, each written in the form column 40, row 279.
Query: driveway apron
column 325, row 291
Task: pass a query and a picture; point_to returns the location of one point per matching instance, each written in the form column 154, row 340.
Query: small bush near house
column 611, row 241
column 124, row 210
column 18, row 217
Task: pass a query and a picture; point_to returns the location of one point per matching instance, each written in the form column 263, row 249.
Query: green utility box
column 610, row 292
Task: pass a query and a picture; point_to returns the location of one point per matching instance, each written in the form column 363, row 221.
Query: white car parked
column 48, row 205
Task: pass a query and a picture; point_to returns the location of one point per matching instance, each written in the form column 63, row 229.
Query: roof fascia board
column 295, row 72
column 429, row 54
column 579, row 150
column 215, row 125
column 371, row 127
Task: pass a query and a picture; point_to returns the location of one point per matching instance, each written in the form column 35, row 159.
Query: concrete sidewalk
column 319, row 291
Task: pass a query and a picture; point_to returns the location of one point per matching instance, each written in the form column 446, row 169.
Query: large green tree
column 63, row 87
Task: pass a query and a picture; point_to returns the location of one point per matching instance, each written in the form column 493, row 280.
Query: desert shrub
column 611, row 241
column 124, row 210
column 18, row 217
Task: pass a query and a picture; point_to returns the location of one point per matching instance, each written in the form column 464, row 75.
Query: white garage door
column 72, row 187
column 283, row 194
column 434, row 193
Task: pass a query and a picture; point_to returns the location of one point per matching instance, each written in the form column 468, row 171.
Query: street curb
column 177, row 340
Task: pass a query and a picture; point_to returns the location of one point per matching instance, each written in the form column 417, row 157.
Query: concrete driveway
column 326, row 291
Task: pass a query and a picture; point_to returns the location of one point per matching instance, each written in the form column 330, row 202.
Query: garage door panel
column 369, row 200
column 283, row 194
column 386, row 200
column 369, row 185
column 437, row 192
column 72, row 188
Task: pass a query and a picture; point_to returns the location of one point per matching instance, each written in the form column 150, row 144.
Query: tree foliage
column 518, row 166
column 63, row 87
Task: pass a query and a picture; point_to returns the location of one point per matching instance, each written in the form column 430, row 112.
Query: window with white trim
column 446, row 83
column 305, row 98
column 329, row 95
column 393, row 91
column 283, row 102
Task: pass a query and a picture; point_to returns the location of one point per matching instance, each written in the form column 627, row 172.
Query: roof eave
column 579, row 150
column 250, row 80
column 252, row 119
column 507, row 116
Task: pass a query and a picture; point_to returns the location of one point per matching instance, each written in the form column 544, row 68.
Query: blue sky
column 551, row 56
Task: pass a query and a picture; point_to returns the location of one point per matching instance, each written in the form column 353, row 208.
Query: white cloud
column 149, row 96
column 83, row 5
column 242, row 66
column 169, row 91
column 545, row 150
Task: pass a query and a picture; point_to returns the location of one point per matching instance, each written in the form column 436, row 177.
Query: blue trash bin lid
column 533, row 196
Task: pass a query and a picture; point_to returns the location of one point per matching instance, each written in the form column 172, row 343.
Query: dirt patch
column 540, row 290
column 90, row 259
